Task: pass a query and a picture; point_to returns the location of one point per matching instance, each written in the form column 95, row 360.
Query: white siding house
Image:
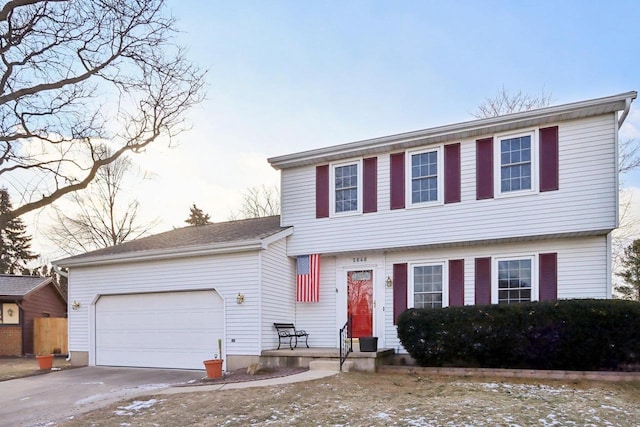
column 165, row 300
column 500, row 210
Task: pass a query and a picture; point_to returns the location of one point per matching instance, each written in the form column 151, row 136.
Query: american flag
column 308, row 278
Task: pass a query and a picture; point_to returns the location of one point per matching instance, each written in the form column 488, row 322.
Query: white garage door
column 159, row 330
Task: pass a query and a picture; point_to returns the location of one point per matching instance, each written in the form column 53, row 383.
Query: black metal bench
column 288, row 330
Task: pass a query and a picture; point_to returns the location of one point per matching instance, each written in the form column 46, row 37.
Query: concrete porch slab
column 301, row 357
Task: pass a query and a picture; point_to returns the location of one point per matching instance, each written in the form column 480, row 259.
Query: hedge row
column 566, row 334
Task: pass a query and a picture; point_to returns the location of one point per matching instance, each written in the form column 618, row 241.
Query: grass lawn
column 358, row 399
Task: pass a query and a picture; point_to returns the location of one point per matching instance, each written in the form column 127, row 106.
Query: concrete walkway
column 289, row 379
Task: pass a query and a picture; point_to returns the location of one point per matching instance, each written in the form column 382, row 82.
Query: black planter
column 368, row 344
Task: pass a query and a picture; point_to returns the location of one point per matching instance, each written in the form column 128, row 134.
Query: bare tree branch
column 628, row 156
column 76, row 75
column 258, row 202
column 506, row 102
column 100, row 217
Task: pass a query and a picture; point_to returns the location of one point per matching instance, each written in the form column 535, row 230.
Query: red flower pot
column 45, row 362
column 214, row 368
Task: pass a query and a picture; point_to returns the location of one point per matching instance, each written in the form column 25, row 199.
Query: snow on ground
column 121, row 393
column 135, row 406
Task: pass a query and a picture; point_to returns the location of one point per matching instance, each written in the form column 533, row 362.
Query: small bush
column 565, row 334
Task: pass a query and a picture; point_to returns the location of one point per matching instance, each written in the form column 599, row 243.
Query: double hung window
column 425, row 177
column 515, row 164
column 428, row 286
column 346, row 181
column 515, row 159
column 515, row 281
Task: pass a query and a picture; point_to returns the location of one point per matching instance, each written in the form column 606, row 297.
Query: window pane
column 515, row 164
column 514, row 281
column 346, row 188
column 427, row 286
column 424, row 177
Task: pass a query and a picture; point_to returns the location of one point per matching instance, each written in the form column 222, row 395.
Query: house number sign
column 360, row 259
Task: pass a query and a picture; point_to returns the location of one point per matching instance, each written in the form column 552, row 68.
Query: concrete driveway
column 45, row 399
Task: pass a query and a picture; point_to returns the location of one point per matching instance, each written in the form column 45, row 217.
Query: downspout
column 625, row 113
column 260, row 325
column 64, row 274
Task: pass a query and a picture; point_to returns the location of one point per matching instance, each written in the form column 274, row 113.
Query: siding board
column 319, row 319
column 585, row 201
column 277, row 292
column 581, row 269
column 228, row 274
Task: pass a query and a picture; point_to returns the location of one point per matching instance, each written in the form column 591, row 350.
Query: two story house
column 500, row 210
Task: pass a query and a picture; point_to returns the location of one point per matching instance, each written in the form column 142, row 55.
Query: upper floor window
column 515, row 162
column 347, row 188
column 427, row 286
column 425, row 176
column 515, row 281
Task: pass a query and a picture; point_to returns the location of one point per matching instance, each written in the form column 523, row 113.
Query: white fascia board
column 275, row 237
column 159, row 254
column 462, row 130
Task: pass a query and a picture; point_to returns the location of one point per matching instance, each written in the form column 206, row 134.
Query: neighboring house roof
column 464, row 130
column 17, row 287
column 222, row 237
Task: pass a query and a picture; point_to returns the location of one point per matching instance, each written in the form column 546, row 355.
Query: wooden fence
column 50, row 335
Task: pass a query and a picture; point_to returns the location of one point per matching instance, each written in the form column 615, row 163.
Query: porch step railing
column 346, row 342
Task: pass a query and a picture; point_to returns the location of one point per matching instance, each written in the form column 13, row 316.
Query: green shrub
column 565, row 334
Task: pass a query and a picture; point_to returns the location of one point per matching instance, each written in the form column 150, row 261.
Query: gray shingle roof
column 19, row 286
column 211, row 234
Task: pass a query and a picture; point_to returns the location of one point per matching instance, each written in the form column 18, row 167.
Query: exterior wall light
column 389, row 282
column 240, row 298
column 75, row 305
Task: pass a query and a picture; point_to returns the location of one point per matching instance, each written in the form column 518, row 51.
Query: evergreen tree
column 197, row 216
column 631, row 272
column 15, row 244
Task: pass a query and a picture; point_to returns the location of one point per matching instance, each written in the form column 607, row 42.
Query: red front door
column 360, row 302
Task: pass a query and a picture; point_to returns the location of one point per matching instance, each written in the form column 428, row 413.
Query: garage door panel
column 161, row 330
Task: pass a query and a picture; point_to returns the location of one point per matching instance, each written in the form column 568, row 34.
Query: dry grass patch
column 18, row 367
column 356, row 399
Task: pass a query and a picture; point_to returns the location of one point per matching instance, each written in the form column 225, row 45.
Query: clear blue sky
column 287, row 76
column 350, row 70
column 293, row 75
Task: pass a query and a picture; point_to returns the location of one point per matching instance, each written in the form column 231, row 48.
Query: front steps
column 331, row 365
column 303, row 357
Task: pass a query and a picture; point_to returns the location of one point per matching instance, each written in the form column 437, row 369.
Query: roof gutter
column 153, row 255
column 59, row 271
